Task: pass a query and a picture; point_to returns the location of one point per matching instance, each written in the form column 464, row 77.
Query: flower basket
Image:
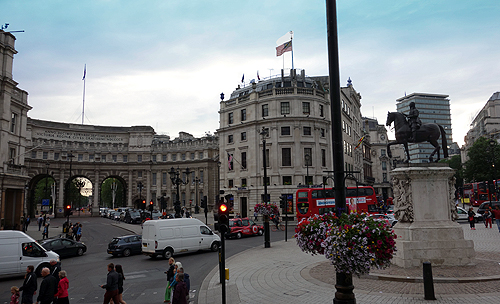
column 353, row 243
column 266, row 209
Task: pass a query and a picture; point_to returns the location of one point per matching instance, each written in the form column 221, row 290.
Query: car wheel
column 126, row 252
column 260, row 232
column 167, row 253
column 238, row 235
column 79, row 252
column 215, row 246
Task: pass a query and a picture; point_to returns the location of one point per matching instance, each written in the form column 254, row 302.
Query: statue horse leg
column 436, row 149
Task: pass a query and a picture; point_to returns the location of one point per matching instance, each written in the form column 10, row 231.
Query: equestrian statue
column 412, row 130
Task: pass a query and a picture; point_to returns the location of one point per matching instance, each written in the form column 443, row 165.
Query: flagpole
column 291, row 38
column 84, row 79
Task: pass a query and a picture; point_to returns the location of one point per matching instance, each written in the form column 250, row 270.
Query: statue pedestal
column 425, row 208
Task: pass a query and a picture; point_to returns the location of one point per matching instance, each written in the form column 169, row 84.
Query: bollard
column 227, row 273
column 428, row 282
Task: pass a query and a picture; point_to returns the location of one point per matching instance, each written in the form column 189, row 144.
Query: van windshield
column 32, row 249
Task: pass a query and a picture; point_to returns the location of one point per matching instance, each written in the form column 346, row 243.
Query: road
column 145, row 280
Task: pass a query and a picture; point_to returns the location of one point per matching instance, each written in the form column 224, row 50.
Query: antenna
column 6, row 25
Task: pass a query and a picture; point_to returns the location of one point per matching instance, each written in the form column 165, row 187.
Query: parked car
column 132, row 217
column 65, row 247
column 388, row 218
column 485, row 205
column 125, row 245
column 239, row 227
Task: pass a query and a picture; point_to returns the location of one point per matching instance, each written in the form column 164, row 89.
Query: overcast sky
column 164, row 63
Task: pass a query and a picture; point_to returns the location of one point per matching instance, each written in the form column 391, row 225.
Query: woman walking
column 472, row 220
column 62, row 289
column 119, row 270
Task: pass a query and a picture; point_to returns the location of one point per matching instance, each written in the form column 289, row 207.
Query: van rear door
column 9, row 262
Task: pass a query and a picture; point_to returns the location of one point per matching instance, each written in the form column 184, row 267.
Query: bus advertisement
column 310, row 201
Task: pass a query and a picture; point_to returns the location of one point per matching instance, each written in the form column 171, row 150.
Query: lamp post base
column 267, row 236
column 344, row 294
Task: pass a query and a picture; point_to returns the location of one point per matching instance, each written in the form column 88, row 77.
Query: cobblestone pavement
column 284, row 274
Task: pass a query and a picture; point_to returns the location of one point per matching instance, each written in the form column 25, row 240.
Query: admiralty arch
column 135, row 156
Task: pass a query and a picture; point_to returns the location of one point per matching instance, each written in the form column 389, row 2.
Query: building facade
column 292, row 115
column 433, row 108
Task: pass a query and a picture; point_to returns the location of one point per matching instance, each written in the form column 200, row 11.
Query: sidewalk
column 284, row 274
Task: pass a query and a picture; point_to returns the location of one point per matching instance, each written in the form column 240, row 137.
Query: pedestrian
column 496, row 214
column 40, row 221
column 186, row 280
column 487, row 218
column 181, row 293
column 177, row 265
column 255, row 215
column 29, row 285
column 48, row 288
column 44, row 218
column 47, row 221
column 14, row 298
column 170, row 276
column 111, row 285
column 472, row 220
column 45, row 232
column 27, row 223
column 79, row 233
column 69, row 231
column 121, row 278
column 54, row 269
column 62, row 297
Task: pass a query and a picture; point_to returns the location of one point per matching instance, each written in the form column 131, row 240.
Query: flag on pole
column 243, row 78
column 229, row 161
column 84, row 72
column 285, row 47
column 359, row 142
column 258, row 77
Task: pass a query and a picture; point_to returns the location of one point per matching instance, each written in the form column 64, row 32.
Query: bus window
column 326, row 210
column 302, row 208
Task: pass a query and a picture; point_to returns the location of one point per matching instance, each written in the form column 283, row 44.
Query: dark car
column 132, row 217
column 65, row 247
column 125, row 245
column 485, row 205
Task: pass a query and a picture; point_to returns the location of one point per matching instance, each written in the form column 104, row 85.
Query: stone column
column 425, row 208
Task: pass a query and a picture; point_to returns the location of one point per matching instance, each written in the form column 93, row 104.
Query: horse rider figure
column 414, row 122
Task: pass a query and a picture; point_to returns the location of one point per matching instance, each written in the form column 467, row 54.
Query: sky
column 164, row 63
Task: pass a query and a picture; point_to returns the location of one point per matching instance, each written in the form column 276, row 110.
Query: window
column 266, row 181
column 230, row 161
column 164, row 157
column 287, row 180
column 265, row 110
column 308, row 156
column 307, row 131
column 322, row 132
column 244, row 160
column 45, row 155
column 154, row 158
column 91, row 157
column 323, row 157
column 33, row 154
column 306, row 108
column 286, row 156
column 230, row 138
column 191, row 155
column 164, row 178
column 267, row 158
column 139, row 158
column 139, row 173
column 183, row 156
column 174, row 157
column 201, row 177
column 384, row 177
column 153, row 177
column 243, row 182
column 12, row 154
column 13, row 123
column 321, row 111
column 125, row 158
column 285, row 108
column 230, row 183
column 80, row 157
column 103, row 158
column 382, row 152
column 384, row 165
column 243, row 114
column 115, row 158
column 201, row 155
column 285, row 131
column 230, row 118
column 56, row 156
column 243, row 136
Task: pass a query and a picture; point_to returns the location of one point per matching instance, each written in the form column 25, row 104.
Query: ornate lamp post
column 139, row 187
column 267, row 237
column 177, row 181
column 196, row 181
column 307, row 158
column 79, row 184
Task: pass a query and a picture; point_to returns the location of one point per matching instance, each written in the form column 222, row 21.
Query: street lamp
column 139, row 187
column 492, row 174
column 196, row 207
column 176, row 180
column 80, row 183
column 113, row 192
column 46, row 181
column 267, row 237
column 307, row 159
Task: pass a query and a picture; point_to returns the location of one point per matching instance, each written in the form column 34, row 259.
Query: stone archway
column 36, row 197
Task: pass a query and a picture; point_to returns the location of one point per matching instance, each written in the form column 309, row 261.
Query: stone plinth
column 425, row 208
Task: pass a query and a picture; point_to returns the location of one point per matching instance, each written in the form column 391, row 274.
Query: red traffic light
column 144, row 201
column 151, row 202
column 223, row 208
column 68, row 207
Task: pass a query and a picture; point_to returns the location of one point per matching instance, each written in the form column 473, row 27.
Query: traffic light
column 283, row 201
column 67, row 210
column 143, row 205
column 177, row 207
column 204, row 202
column 151, row 206
column 223, row 213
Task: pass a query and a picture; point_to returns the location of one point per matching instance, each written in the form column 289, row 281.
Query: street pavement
column 284, row 274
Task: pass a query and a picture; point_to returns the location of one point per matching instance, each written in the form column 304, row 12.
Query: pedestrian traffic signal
column 223, row 213
column 67, row 210
column 283, row 201
column 143, row 205
column 204, row 202
column 151, row 206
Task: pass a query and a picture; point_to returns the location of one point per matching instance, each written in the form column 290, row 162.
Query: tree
column 106, row 193
column 455, row 162
column 483, row 156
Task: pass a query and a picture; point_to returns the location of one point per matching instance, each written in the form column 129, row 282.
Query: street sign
column 45, row 202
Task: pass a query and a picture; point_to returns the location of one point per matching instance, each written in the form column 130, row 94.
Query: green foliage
column 107, row 193
column 42, row 189
column 455, row 162
column 483, row 157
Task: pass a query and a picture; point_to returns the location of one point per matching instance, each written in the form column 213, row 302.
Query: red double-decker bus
column 476, row 193
column 310, row 201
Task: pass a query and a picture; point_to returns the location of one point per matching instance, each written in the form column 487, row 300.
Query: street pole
column 344, row 286
column 267, row 235
column 113, row 192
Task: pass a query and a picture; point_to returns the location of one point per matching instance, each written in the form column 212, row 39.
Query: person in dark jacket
column 48, row 288
column 29, row 286
column 170, row 276
column 472, row 221
column 111, row 285
column 54, row 269
column 181, row 292
column 186, row 278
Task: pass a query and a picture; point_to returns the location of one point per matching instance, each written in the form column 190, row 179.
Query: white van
column 169, row 236
column 18, row 250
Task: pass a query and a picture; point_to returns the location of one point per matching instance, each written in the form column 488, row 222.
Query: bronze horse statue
column 429, row 132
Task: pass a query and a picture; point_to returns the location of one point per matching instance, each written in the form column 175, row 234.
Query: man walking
column 496, row 214
column 54, row 269
column 39, row 221
column 111, row 285
column 48, row 288
column 29, row 286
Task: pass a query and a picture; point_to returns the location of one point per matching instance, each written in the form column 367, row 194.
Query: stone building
column 292, row 114
column 13, row 114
